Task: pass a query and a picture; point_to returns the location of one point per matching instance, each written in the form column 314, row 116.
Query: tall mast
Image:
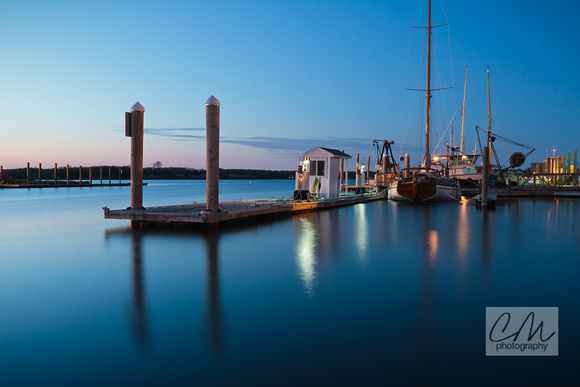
column 488, row 117
column 428, row 83
column 463, row 112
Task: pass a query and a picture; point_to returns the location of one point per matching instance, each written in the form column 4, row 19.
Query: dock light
column 436, row 158
column 463, row 157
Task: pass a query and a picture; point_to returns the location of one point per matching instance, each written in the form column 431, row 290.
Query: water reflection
column 317, row 241
column 213, row 291
column 361, row 231
column 306, row 253
column 138, row 317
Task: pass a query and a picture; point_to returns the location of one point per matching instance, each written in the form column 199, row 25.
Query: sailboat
column 422, row 184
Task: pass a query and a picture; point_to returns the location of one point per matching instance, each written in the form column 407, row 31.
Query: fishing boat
column 424, row 184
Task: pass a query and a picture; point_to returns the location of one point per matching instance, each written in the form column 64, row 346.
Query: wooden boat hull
column 423, row 191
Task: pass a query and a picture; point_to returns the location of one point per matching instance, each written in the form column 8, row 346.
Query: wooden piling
column 27, row 173
column 39, row 172
column 80, row 175
column 357, row 172
column 136, row 127
column 341, row 175
column 101, row 174
column 368, row 167
column 90, row 175
column 485, row 181
column 212, row 122
column 55, row 168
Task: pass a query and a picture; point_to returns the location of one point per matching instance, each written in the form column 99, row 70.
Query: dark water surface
column 373, row 294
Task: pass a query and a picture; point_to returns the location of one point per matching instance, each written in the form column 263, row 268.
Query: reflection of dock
column 236, row 210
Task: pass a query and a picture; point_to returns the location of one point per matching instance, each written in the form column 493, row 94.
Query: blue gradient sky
column 290, row 75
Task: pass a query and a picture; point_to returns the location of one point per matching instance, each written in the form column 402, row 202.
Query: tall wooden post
column 67, row 175
column 80, row 175
column 134, row 125
column 212, row 156
column 101, row 174
column 55, row 173
column 485, row 181
column 368, row 167
column 341, row 174
column 357, row 173
column 90, row 175
column 1, row 173
column 39, row 172
column 27, row 173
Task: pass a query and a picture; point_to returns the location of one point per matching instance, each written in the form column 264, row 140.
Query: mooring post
column 39, row 172
column 134, row 129
column 341, row 174
column 27, row 173
column 120, row 174
column 485, row 181
column 90, row 175
column 54, row 173
column 368, row 167
column 357, row 175
column 1, row 173
column 101, row 174
column 212, row 160
column 80, row 175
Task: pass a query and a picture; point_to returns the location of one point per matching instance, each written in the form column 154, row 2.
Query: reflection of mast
column 213, row 292
column 138, row 312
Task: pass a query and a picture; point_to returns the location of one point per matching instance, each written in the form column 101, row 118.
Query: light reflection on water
column 377, row 293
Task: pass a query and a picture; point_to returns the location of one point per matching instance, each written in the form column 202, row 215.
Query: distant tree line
column 124, row 172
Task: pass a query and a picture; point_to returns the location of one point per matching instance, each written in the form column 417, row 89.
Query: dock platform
column 233, row 211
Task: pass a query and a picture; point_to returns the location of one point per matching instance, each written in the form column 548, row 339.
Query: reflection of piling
column 139, row 313
column 134, row 129
column 212, row 123
column 213, row 292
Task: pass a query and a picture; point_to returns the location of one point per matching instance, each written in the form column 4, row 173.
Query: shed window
column 320, row 168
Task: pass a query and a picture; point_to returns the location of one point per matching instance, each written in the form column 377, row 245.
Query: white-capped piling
column 134, row 129
column 212, row 155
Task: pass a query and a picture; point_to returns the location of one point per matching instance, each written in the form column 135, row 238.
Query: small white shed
column 325, row 165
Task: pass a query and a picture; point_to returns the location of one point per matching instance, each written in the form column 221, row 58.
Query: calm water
column 373, row 294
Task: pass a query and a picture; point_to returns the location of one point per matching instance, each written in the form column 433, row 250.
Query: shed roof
column 333, row 152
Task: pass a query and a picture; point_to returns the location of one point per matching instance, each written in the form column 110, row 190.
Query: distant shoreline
column 116, row 173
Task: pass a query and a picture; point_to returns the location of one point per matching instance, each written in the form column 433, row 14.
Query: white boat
column 423, row 184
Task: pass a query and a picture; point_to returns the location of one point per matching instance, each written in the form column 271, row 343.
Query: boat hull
column 417, row 191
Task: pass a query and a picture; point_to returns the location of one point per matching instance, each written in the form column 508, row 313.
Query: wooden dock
column 231, row 212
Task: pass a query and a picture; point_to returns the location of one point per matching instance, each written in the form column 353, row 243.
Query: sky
column 290, row 76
